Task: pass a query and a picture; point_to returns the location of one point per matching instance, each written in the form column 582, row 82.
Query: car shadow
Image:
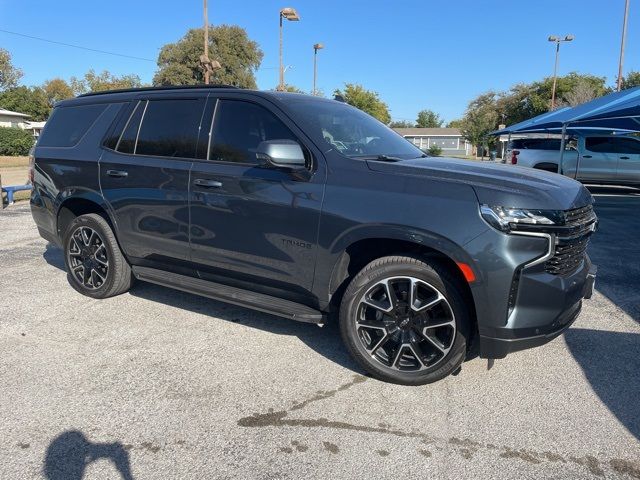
column 615, row 249
column 70, row 453
column 611, row 364
column 324, row 340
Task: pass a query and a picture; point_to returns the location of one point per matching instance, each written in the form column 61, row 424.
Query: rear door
column 598, row 160
column 144, row 175
column 628, row 150
column 252, row 222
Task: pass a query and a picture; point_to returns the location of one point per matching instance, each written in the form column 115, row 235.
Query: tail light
column 514, row 156
column 32, row 166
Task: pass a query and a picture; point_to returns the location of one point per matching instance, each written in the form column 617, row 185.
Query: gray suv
column 312, row 210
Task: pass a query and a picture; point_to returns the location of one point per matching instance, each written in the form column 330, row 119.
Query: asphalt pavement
column 157, row 383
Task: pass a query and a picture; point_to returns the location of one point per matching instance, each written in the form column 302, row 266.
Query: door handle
column 624, row 158
column 117, row 173
column 586, row 156
column 201, row 182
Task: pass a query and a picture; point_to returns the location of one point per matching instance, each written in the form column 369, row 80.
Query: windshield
column 351, row 131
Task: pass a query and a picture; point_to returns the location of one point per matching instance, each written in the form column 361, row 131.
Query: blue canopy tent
column 617, row 112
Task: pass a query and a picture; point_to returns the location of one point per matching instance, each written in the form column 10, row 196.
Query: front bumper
column 543, row 312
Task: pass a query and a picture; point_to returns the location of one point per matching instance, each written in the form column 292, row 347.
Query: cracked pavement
column 158, row 383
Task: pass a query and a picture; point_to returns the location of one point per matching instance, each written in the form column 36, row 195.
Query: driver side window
column 239, row 127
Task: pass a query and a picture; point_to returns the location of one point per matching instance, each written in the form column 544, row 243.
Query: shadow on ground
column 611, row 364
column 69, row 454
column 615, row 248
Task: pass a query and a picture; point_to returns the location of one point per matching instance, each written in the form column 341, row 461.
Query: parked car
column 310, row 209
column 603, row 159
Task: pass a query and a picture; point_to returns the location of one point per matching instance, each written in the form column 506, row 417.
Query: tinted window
column 67, row 125
column 127, row 141
column 626, row 145
column 170, row 128
column 238, row 129
column 599, row 144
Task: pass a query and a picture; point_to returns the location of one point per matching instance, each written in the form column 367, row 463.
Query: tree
column 581, row 93
column 401, row 124
column 98, row 82
column 291, row 89
column 457, row 123
column 632, row 79
column 9, row 75
column 480, row 119
column 239, row 57
column 366, row 100
column 15, row 141
column 428, row 119
column 30, row 100
column 56, row 90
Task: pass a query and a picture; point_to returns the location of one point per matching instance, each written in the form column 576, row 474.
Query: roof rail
column 151, row 89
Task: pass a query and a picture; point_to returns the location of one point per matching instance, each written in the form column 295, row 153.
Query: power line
column 76, row 46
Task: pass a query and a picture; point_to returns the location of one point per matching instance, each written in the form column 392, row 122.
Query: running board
column 225, row 293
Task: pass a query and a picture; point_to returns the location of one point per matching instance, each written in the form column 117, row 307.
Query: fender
column 70, row 194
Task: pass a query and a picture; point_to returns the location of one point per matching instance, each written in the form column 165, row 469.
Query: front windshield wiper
column 382, row 158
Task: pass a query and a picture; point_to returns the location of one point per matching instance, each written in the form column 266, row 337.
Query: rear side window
column 626, row 145
column 127, row 141
column 170, row 128
column 68, row 125
column 536, row 144
column 238, row 129
column 599, row 144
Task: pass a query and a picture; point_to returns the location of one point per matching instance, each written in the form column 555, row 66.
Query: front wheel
column 95, row 264
column 405, row 321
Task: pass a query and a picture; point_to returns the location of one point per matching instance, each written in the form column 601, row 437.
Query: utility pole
column 553, row 38
column 624, row 39
column 206, row 42
column 290, row 14
column 316, row 47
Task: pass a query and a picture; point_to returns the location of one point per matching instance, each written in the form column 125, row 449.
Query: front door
column 145, row 178
column 598, row 160
column 248, row 221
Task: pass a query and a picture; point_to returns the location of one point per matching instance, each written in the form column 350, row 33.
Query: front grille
column 573, row 239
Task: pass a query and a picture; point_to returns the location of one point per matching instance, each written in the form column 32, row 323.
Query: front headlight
column 506, row 219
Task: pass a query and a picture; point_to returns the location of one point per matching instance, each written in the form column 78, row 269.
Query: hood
column 497, row 184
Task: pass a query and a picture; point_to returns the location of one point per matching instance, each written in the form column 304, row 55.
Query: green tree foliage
column 291, row 88
column 401, row 124
column 239, row 57
column 98, row 82
column 428, row 119
column 9, row 75
column 15, row 141
column 30, row 100
column 457, row 123
column 480, row 119
column 435, row 151
column 56, row 90
column 366, row 100
column 632, row 79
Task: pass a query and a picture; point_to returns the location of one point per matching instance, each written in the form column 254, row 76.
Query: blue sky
column 416, row 54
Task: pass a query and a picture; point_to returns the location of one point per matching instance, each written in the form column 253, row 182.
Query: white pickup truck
column 603, row 159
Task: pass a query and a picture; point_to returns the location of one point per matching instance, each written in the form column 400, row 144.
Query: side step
column 225, row 293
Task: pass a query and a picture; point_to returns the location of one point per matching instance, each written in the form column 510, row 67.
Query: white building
column 450, row 140
column 13, row 119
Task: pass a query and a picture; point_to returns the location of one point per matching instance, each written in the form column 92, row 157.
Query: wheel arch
column 546, row 166
column 80, row 203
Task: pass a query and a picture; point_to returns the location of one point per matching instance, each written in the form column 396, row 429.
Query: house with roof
column 13, row 119
column 450, row 140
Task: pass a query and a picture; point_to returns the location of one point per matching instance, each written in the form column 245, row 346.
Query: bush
column 435, row 151
column 15, row 141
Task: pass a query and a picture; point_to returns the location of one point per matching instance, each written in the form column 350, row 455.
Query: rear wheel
column 405, row 321
column 95, row 264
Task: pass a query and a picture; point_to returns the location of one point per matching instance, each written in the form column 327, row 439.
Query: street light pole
column 291, row 15
column 557, row 40
column 624, row 39
column 316, row 47
column 206, row 42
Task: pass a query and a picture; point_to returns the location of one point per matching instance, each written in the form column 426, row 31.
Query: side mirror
column 281, row 153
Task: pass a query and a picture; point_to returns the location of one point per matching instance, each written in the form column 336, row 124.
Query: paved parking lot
column 161, row 384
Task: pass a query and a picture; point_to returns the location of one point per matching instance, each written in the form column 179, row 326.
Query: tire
column 98, row 254
column 421, row 340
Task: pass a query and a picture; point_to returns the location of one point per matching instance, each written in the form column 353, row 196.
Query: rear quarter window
column 67, row 125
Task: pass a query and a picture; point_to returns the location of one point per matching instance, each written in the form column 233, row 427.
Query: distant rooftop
column 429, row 132
column 9, row 113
